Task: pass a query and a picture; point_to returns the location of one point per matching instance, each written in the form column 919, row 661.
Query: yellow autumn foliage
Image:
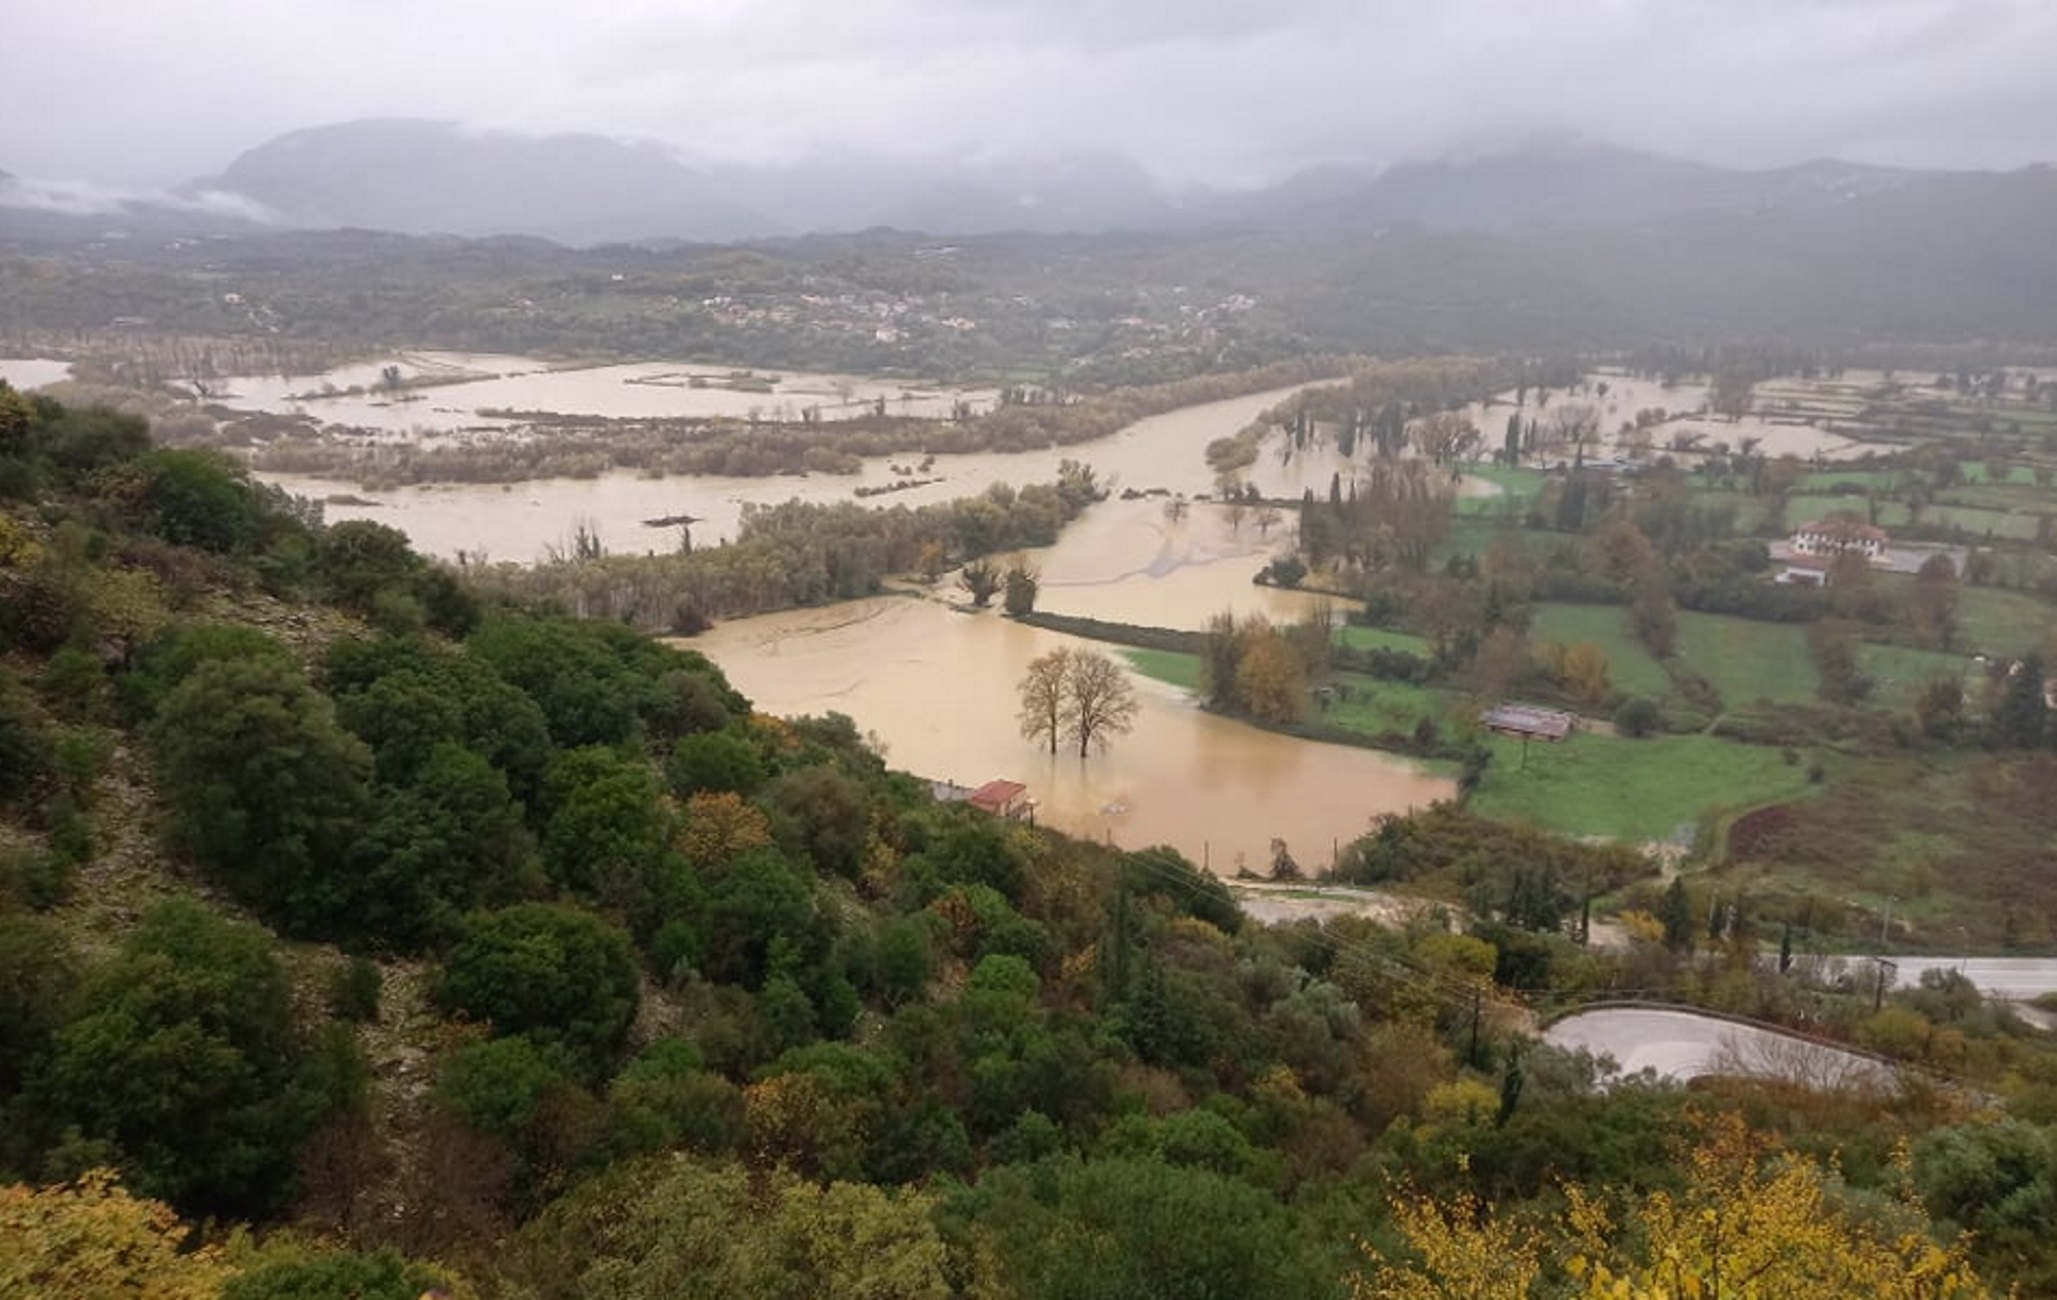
column 19, row 548
column 89, row 1238
column 1464, row 1252
column 720, row 825
column 1748, row 1224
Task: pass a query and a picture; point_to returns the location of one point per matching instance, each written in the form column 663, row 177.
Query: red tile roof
column 995, row 796
column 1846, row 528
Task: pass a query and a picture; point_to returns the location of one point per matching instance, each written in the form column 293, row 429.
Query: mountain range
column 422, row 177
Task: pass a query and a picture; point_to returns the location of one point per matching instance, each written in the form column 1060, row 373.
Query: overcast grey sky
column 138, row 92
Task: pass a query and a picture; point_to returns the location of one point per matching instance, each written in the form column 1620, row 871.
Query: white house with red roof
column 1814, row 549
column 1839, row 536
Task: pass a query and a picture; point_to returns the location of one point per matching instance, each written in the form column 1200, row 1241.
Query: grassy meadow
column 1656, row 789
column 1630, row 667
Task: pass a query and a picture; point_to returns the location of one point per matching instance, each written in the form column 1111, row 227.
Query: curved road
column 2017, row 979
column 1686, row 1045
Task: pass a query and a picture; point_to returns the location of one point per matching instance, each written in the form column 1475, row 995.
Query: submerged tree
column 980, row 579
column 1019, row 587
column 1078, row 696
column 1102, row 703
column 1043, row 697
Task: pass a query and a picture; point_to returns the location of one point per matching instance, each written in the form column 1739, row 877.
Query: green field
column 1357, row 702
column 1992, row 621
column 1165, row 666
column 2012, row 495
column 1659, row 788
column 1630, row 667
column 1749, row 510
column 1371, row 706
column 1469, row 535
column 1825, row 480
column 1514, row 485
column 1744, row 660
column 1748, row 660
column 1983, row 523
column 1801, row 508
column 1975, row 472
column 1653, row 789
column 1898, row 673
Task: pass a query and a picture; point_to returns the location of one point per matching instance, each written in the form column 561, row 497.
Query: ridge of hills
column 1951, row 259
column 427, row 177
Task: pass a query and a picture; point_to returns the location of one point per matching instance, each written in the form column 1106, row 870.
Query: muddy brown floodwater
column 452, row 389
column 936, row 687
column 518, row 521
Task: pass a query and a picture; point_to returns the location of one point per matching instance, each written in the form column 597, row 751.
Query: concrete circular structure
column 1684, row 1045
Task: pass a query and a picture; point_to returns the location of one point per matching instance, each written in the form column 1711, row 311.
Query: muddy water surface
column 937, row 689
column 24, row 373
column 518, row 521
column 453, row 390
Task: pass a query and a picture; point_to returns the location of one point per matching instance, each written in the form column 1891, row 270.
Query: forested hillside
column 362, row 934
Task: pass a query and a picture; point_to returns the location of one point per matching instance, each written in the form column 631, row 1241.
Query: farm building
column 1530, row 722
column 1008, row 799
column 1833, row 537
column 1812, row 552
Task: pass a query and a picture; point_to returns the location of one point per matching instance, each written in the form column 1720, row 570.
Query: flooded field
column 1162, row 453
column 1124, row 561
column 1782, row 424
column 937, row 688
column 448, row 393
column 518, row 521
column 25, row 373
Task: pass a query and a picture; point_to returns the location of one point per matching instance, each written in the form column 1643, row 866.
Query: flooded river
column 517, row 521
column 936, row 688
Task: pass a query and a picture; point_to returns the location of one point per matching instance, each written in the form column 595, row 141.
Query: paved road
column 2017, row 979
column 1685, row 1045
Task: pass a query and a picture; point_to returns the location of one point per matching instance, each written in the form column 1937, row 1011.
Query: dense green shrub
column 557, row 975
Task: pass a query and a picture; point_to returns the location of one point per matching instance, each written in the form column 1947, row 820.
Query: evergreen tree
column 2021, row 717
column 1676, row 912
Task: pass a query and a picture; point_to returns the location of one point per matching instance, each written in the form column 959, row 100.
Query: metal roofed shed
column 1530, row 721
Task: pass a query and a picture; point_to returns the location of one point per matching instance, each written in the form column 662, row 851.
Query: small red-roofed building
column 1008, row 799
